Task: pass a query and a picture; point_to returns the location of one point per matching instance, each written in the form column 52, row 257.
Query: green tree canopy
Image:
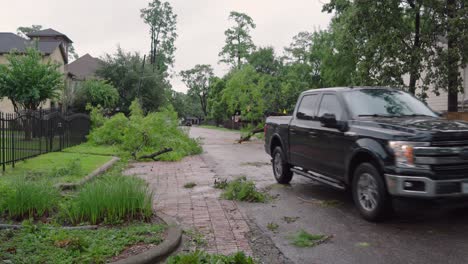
column 239, row 44
column 124, row 71
column 162, row 22
column 28, row 81
column 197, row 80
column 97, row 92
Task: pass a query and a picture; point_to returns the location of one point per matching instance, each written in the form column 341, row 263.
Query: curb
column 96, row 172
column 158, row 253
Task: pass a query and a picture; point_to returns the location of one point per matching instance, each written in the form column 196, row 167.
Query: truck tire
column 369, row 193
column 281, row 168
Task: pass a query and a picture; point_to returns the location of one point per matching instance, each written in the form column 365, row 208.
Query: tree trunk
column 452, row 61
column 416, row 46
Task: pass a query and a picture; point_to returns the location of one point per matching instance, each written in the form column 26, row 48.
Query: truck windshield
column 383, row 102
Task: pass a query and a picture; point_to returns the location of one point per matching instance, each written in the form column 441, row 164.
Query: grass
column 88, row 148
column 49, row 166
column 28, row 199
column 241, row 189
column 220, row 183
column 111, row 199
column 304, row 239
column 46, row 244
column 196, row 240
column 189, row 185
column 200, row 257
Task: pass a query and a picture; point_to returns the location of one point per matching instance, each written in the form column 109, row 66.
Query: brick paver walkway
column 220, row 221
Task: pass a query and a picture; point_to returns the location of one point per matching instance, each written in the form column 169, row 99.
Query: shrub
column 97, row 92
column 142, row 134
column 243, row 190
column 112, row 199
column 28, row 199
column 200, row 257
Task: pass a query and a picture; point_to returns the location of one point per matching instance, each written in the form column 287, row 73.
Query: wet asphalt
column 418, row 233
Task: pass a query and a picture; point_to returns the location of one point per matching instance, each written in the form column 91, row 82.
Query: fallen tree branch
column 155, row 154
column 251, row 133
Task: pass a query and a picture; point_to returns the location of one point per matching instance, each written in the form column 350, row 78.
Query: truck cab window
column 307, row 107
column 330, row 105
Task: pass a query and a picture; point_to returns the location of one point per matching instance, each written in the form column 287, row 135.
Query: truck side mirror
column 329, row 120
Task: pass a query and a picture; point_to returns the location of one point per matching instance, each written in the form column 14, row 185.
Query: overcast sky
column 99, row 26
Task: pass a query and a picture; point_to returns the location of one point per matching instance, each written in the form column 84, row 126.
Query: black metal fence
column 28, row 134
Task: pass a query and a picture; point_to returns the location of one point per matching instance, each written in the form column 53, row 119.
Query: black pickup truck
column 379, row 143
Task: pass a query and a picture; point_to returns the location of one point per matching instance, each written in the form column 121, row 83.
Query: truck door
column 302, row 135
column 333, row 142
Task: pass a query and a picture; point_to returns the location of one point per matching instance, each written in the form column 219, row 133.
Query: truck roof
column 349, row 88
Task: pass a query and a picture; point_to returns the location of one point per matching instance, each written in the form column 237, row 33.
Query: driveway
column 418, row 234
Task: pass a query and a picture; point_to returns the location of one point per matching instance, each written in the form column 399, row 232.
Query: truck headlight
column 404, row 153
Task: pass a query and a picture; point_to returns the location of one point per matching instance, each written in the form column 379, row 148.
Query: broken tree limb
column 155, row 154
column 251, row 133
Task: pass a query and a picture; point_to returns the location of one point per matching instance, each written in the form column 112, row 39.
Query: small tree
column 27, row 81
column 97, row 92
column 198, row 82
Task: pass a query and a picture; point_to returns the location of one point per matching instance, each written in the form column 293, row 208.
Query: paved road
column 418, row 234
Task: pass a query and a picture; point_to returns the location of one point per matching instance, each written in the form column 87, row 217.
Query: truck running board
column 319, row 177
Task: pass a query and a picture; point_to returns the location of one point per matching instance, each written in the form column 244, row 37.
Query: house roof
column 11, row 41
column 84, row 67
column 48, row 33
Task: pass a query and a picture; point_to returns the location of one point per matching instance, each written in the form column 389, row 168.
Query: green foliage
column 96, row 115
column 159, row 16
column 239, row 43
column 29, row 199
column 198, row 81
column 304, row 239
column 47, row 244
column 190, row 185
column 27, row 81
column 97, row 93
column 243, row 190
column 112, row 199
column 273, row 227
column 71, row 168
column 142, row 134
column 220, row 183
column 111, row 132
column 186, row 105
column 124, row 71
column 200, row 257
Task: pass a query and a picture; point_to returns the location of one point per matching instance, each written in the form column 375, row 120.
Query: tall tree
column 162, row 22
column 299, row 50
column 27, row 81
column 123, row 71
column 198, row 82
column 239, row 44
column 24, row 31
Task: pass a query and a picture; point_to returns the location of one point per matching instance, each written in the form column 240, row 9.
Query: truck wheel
column 281, row 167
column 369, row 193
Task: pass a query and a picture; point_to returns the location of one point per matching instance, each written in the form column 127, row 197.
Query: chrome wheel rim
column 368, row 194
column 278, row 165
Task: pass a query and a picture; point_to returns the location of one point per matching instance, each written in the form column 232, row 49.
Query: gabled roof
column 10, row 42
column 48, row 33
column 84, row 67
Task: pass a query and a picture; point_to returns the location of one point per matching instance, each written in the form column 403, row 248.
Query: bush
column 200, row 257
column 243, row 190
column 28, row 199
column 97, row 92
column 142, row 134
column 112, row 199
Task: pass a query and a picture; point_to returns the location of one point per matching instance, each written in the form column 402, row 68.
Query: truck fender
column 366, row 149
column 274, row 139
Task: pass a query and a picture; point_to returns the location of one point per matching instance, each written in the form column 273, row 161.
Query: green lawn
column 48, row 244
column 60, row 167
column 87, row 148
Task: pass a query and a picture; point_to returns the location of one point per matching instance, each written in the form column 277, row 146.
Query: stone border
column 96, row 172
column 161, row 251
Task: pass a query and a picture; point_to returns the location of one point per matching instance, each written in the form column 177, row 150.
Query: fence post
column 12, row 132
column 2, row 117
